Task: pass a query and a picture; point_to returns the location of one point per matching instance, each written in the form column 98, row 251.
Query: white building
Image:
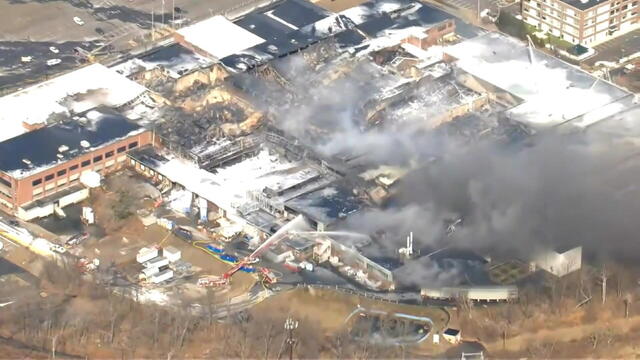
column 586, row 22
column 558, row 263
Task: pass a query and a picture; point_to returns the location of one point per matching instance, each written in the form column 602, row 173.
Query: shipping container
column 215, row 249
column 145, row 254
column 156, row 262
column 162, row 276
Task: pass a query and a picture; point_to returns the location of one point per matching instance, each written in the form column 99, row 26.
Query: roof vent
column 28, row 162
column 584, row 1
column 60, row 156
column 63, row 148
column 272, row 49
column 85, row 144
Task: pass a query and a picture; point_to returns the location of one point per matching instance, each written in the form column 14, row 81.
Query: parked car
column 57, row 248
column 53, row 62
column 77, row 239
column 26, row 59
column 54, row 49
column 78, row 21
column 183, row 233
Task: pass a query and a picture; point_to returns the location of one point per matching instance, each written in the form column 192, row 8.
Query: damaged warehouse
column 381, row 150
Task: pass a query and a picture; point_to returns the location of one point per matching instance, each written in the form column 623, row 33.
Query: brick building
column 433, row 35
column 40, row 170
column 585, row 22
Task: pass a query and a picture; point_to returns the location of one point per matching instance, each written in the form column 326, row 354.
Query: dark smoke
column 558, row 191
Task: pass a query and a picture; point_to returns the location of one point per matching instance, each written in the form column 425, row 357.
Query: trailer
column 148, row 272
column 161, row 276
column 156, row 262
column 145, row 254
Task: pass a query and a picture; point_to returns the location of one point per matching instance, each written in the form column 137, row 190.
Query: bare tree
column 603, row 277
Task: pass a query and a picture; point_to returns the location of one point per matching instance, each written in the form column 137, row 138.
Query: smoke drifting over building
column 551, row 190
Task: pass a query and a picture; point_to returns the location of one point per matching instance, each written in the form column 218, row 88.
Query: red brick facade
column 18, row 192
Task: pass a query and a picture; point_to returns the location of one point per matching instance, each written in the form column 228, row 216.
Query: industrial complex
column 275, row 150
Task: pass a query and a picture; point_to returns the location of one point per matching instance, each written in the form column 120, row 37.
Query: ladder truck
column 267, row 275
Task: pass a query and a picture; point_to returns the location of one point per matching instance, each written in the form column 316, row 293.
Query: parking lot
column 31, row 27
column 615, row 49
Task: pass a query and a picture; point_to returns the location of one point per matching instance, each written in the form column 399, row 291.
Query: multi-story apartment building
column 585, row 22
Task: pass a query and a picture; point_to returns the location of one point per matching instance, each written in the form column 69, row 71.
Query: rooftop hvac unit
column 85, row 144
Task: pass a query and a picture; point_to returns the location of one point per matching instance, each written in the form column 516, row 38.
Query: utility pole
column 478, row 11
column 173, row 12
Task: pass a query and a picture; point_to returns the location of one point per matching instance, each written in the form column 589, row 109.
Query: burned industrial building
column 380, row 149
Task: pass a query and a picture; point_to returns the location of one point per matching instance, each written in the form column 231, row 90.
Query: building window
column 62, row 172
column 73, row 167
column 133, row 145
column 36, row 182
column 122, row 149
column 97, row 159
column 48, row 177
column 108, row 154
column 5, row 182
column 86, row 163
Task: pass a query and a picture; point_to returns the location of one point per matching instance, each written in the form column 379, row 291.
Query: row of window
column 5, row 182
column 85, row 163
column 41, row 191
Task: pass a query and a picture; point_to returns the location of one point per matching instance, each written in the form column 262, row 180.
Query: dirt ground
column 327, row 310
column 125, row 237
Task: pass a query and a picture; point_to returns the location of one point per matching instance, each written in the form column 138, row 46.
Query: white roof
column 219, row 37
column 552, row 91
column 228, row 187
column 92, row 86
